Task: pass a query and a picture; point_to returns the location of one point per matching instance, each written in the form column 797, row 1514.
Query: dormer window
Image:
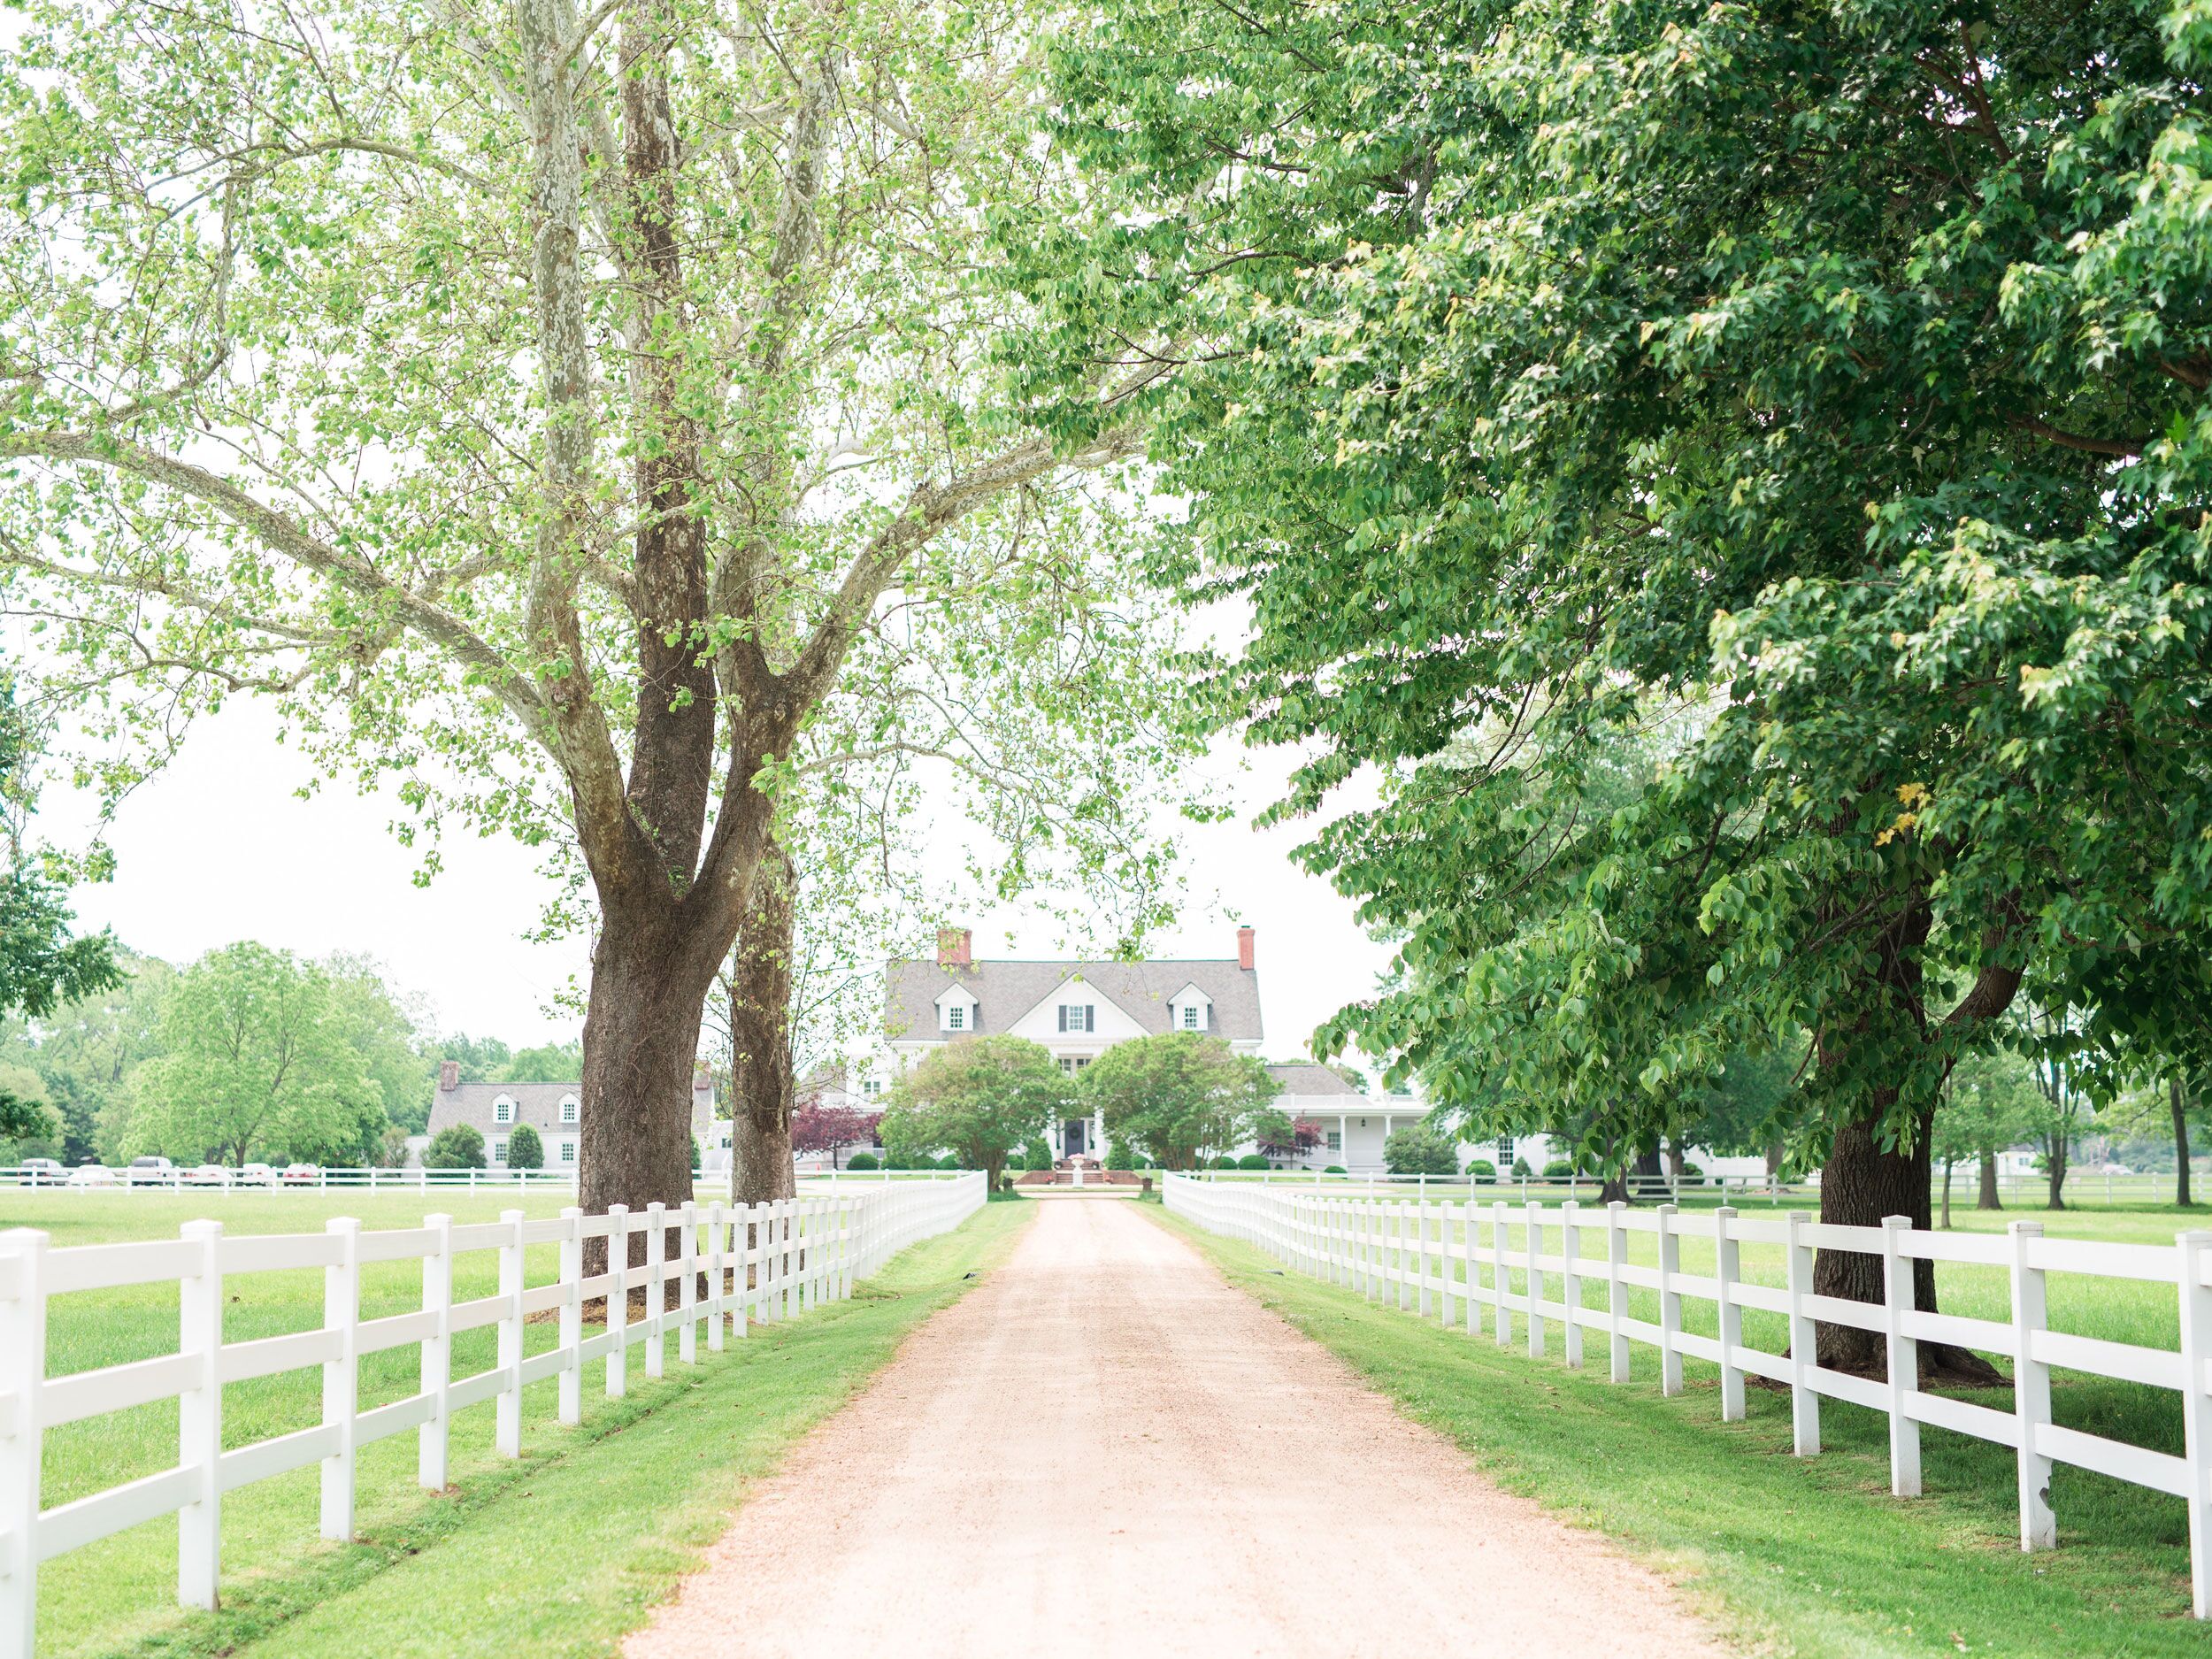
column 956, row 1009
column 568, row 1109
column 503, row 1111
column 1193, row 1016
column 1190, row 1009
column 1079, row 1016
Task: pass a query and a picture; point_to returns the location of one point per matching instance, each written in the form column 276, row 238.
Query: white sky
column 220, row 849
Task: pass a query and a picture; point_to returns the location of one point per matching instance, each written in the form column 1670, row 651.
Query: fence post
column 619, row 1301
column 572, row 1332
column 200, row 1415
column 22, row 1374
column 1398, row 1259
column 656, row 1288
column 1804, row 1349
column 1727, row 1268
column 1421, row 1253
column 1470, row 1220
column 1499, row 1274
column 717, row 1236
column 1570, row 1279
column 687, row 1291
column 2032, row 1396
column 1615, row 1254
column 2196, row 1412
column 437, row 1354
column 1670, row 1302
column 342, row 1376
column 1535, row 1241
column 507, row 1435
column 1903, row 1356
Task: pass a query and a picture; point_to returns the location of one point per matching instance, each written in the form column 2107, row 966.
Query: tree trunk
column 761, row 1167
column 2055, row 1168
column 1946, row 1195
column 1987, row 1197
column 1774, row 1162
column 2179, row 1102
column 641, row 1039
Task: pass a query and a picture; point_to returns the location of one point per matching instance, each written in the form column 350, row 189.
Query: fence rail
column 767, row 1261
column 1431, row 1256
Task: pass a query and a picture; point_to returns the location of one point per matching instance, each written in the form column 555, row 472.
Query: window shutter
column 1090, row 1016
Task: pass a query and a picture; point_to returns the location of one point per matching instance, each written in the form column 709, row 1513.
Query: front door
column 1071, row 1133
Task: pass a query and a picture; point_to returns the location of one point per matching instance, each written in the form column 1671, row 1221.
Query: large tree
column 979, row 1098
column 1830, row 379
column 1174, row 1098
column 259, row 1063
column 537, row 402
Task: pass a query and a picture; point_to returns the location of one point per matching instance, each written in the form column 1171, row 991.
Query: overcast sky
column 220, row 849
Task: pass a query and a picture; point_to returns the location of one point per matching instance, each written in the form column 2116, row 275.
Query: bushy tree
column 1991, row 1102
column 1827, row 384
column 524, row 1150
column 458, row 1147
column 980, row 1098
column 1421, row 1149
column 255, row 1065
column 817, row 1128
column 1178, row 1097
column 43, row 964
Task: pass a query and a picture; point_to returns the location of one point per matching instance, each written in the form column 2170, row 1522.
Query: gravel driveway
column 1105, row 1450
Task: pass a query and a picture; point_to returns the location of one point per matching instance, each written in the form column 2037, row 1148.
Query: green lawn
column 554, row 1553
column 1807, row 1556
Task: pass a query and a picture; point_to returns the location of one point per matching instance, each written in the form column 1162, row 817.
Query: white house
column 554, row 1110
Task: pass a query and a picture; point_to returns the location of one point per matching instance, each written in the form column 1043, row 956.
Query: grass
column 557, row 1553
column 1802, row 1556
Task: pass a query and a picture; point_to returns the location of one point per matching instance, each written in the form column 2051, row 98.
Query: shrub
column 1558, row 1169
column 1120, row 1158
column 1521, row 1171
column 950, row 1160
column 892, row 1161
column 459, row 1148
column 1421, row 1150
column 525, row 1151
column 1481, row 1170
column 1336, row 1169
column 1253, row 1161
column 1037, row 1158
column 863, row 1161
column 1222, row 1163
column 1691, row 1172
column 694, row 1154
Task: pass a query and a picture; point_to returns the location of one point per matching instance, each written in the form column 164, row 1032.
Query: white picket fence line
column 768, row 1262
column 1372, row 1246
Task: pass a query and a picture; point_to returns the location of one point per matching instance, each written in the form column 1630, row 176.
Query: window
column 1077, row 1017
column 1192, row 1020
column 568, row 1152
column 1074, row 1064
column 499, row 1151
column 1336, row 1141
column 873, row 1089
column 568, row 1109
column 955, row 1018
column 503, row 1111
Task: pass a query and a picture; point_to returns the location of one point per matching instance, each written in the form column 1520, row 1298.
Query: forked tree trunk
column 2179, row 1102
column 761, row 1168
column 2055, row 1152
column 1946, row 1195
column 1987, row 1197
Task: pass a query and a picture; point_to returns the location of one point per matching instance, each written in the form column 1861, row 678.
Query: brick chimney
column 1244, row 949
column 953, row 948
column 448, row 1076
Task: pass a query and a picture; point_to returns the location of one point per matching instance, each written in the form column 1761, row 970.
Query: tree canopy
column 980, row 1098
column 1175, row 1097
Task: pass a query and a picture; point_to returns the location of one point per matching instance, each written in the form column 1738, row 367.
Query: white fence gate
column 768, row 1262
column 1431, row 1256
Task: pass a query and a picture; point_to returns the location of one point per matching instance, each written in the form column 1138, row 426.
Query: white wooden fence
column 1430, row 1256
column 765, row 1263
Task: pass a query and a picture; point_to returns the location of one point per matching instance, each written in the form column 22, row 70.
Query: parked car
column 92, row 1175
column 301, row 1175
column 42, row 1173
column 256, row 1175
column 207, row 1175
column 150, row 1171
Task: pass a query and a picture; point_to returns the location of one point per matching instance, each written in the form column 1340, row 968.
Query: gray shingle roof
column 537, row 1104
column 1004, row 991
column 1304, row 1078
